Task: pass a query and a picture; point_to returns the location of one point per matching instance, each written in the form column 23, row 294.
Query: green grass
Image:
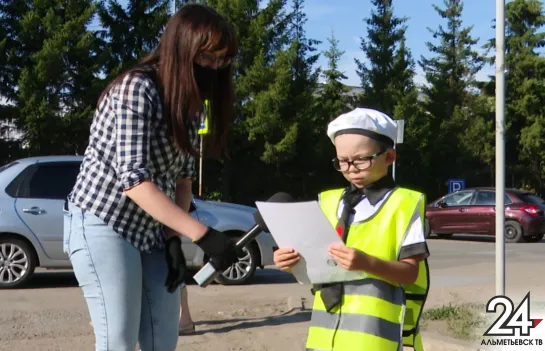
column 464, row 321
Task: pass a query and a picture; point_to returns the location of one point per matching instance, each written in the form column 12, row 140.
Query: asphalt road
column 449, row 258
column 466, row 250
column 50, row 314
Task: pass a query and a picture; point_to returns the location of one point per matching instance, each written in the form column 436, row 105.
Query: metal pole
column 500, row 147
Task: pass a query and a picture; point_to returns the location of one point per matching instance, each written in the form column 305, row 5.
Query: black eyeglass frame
column 337, row 163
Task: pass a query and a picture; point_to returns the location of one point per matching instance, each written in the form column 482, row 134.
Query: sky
column 346, row 19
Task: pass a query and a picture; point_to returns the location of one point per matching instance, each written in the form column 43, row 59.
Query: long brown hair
column 193, row 28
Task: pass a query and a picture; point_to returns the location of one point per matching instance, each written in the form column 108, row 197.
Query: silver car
column 32, row 193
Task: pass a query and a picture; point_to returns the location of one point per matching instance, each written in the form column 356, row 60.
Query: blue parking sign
column 456, row 184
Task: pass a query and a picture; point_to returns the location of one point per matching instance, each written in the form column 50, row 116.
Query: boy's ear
column 390, row 156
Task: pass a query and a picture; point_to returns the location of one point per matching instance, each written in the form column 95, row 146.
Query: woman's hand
column 177, row 270
column 285, row 259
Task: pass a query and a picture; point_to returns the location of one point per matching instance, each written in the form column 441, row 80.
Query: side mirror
column 441, row 204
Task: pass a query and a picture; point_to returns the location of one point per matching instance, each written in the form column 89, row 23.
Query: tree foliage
column 59, row 55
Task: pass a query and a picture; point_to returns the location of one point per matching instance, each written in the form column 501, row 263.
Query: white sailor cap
column 364, row 121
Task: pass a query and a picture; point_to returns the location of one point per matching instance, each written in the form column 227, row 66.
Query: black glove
column 177, row 269
column 219, row 248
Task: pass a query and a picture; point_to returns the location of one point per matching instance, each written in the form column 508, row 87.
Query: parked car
column 473, row 211
column 32, row 193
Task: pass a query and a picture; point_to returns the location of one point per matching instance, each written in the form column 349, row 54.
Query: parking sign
column 456, row 184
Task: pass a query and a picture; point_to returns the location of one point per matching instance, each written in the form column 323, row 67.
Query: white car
column 32, row 193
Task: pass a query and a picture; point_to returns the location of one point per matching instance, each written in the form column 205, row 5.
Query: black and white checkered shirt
column 128, row 144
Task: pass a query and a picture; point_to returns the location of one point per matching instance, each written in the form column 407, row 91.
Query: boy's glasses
column 361, row 163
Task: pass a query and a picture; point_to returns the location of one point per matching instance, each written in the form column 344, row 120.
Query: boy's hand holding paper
column 349, row 258
column 303, row 227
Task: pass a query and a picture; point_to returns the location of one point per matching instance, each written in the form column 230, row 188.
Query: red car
column 473, row 211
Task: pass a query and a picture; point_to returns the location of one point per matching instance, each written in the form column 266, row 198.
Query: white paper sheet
column 303, row 227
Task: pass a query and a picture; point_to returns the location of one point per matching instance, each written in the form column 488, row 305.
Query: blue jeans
column 124, row 287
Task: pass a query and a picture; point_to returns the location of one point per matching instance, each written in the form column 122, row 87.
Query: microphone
column 208, row 273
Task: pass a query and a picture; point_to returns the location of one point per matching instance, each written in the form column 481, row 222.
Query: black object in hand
column 219, row 248
column 175, row 258
column 216, row 241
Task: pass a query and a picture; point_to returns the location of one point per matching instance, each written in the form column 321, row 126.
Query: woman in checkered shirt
column 129, row 206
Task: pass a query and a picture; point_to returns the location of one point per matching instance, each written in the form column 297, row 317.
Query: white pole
column 500, row 147
column 400, row 124
column 394, row 168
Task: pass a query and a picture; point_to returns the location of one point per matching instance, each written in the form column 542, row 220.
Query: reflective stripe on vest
column 415, row 295
column 375, row 320
column 372, row 311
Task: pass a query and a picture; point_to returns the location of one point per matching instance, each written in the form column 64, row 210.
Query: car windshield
column 461, row 198
column 532, row 199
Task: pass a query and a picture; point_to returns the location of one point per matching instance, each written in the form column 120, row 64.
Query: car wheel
column 427, row 229
column 533, row 238
column 17, row 263
column 513, row 232
column 244, row 269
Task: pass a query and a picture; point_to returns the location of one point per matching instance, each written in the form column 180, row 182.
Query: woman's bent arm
column 183, row 199
column 133, row 102
column 158, row 205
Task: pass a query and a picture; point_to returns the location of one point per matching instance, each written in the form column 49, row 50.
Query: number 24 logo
column 511, row 318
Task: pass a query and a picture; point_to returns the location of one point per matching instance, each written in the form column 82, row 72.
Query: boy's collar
column 377, row 190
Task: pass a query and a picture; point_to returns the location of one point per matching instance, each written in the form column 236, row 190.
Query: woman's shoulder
column 136, row 82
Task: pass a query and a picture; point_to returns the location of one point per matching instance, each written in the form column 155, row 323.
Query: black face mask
column 206, row 78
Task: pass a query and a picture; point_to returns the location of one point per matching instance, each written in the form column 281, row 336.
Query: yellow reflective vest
column 374, row 314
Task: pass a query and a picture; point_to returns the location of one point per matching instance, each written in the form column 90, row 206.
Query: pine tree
column 451, row 73
column 15, row 55
column 11, row 12
column 389, row 70
column 416, row 127
column 450, row 96
column 294, row 80
column 275, row 82
column 333, row 99
column 388, row 85
column 300, row 107
column 285, row 98
column 129, row 34
column 304, row 47
column 525, row 94
column 261, row 31
column 179, row 3
column 56, row 91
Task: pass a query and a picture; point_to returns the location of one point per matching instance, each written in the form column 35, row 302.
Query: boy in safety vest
column 381, row 225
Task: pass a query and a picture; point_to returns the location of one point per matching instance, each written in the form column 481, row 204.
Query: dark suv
column 473, row 211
